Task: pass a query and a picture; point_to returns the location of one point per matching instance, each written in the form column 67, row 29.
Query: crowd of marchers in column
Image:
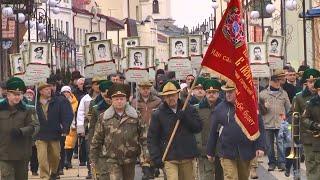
column 111, row 126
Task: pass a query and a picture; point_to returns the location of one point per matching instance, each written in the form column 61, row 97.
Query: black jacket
column 184, row 144
column 233, row 143
column 60, row 116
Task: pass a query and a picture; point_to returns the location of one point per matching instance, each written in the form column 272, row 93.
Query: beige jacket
column 277, row 105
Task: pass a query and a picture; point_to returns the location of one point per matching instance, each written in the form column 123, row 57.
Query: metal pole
column 247, row 23
column 304, row 32
column 262, row 5
column 128, row 3
column 283, row 27
column 17, row 32
column 29, row 14
column 1, row 53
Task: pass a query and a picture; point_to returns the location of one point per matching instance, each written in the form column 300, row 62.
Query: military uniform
column 299, row 105
column 97, row 107
column 17, row 124
column 205, row 168
column 311, row 122
column 118, row 140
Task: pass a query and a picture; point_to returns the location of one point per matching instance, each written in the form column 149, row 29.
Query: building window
column 155, row 7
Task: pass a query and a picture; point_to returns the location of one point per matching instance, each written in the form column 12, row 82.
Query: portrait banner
column 105, row 68
column 36, row 73
column 260, row 70
column 181, row 66
column 275, row 62
column 196, row 62
column 152, row 74
column 137, row 75
column 89, row 71
column 227, row 55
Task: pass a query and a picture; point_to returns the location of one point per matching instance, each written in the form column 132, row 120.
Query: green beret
column 104, row 85
column 16, row 84
column 117, row 90
column 310, row 74
column 200, row 82
column 317, row 84
column 212, row 85
column 169, row 87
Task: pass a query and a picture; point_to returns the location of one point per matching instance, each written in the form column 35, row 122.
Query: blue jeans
column 272, row 138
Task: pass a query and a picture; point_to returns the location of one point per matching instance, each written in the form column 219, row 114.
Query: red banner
column 227, row 55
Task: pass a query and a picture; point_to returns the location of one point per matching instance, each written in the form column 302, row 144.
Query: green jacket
column 205, row 111
column 119, row 139
column 97, row 106
column 312, row 115
column 299, row 103
column 21, row 116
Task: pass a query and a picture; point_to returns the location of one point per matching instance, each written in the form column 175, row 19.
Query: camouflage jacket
column 119, row 139
column 23, row 117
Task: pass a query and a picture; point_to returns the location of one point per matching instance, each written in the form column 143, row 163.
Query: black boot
column 53, row 176
column 147, row 173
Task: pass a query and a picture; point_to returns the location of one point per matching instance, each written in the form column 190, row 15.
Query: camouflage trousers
column 115, row 171
column 312, row 162
column 13, row 170
column 204, row 169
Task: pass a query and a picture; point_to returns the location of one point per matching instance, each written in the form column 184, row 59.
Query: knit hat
column 30, row 91
column 66, row 89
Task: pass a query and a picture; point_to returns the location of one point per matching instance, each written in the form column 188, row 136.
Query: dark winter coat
column 60, row 116
column 162, row 124
column 233, row 143
column 20, row 117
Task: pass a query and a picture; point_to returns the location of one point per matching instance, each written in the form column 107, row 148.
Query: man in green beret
column 198, row 93
column 178, row 163
column 17, row 125
column 102, row 103
column 206, row 169
column 299, row 103
column 119, row 138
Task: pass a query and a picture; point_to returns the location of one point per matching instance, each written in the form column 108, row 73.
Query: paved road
column 71, row 174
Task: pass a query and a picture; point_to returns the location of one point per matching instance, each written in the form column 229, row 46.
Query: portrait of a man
column 92, row 36
column 275, row 45
column 88, row 55
column 17, row 64
column 128, row 42
column 193, row 46
column 179, row 47
column 138, row 57
column 102, row 51
column 39, row 53
column 257, row 53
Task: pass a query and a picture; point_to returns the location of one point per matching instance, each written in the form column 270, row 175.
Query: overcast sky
column 190, row 12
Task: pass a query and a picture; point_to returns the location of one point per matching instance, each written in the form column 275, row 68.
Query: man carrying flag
column 238, row 115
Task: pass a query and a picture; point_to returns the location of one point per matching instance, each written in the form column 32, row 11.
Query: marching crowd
column 111, row 125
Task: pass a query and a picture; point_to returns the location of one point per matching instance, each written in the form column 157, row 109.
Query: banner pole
column 178, row 121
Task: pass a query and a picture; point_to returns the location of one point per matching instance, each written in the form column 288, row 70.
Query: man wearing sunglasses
column 278, row 105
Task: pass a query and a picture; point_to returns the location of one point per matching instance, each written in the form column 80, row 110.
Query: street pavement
column 72, row 174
